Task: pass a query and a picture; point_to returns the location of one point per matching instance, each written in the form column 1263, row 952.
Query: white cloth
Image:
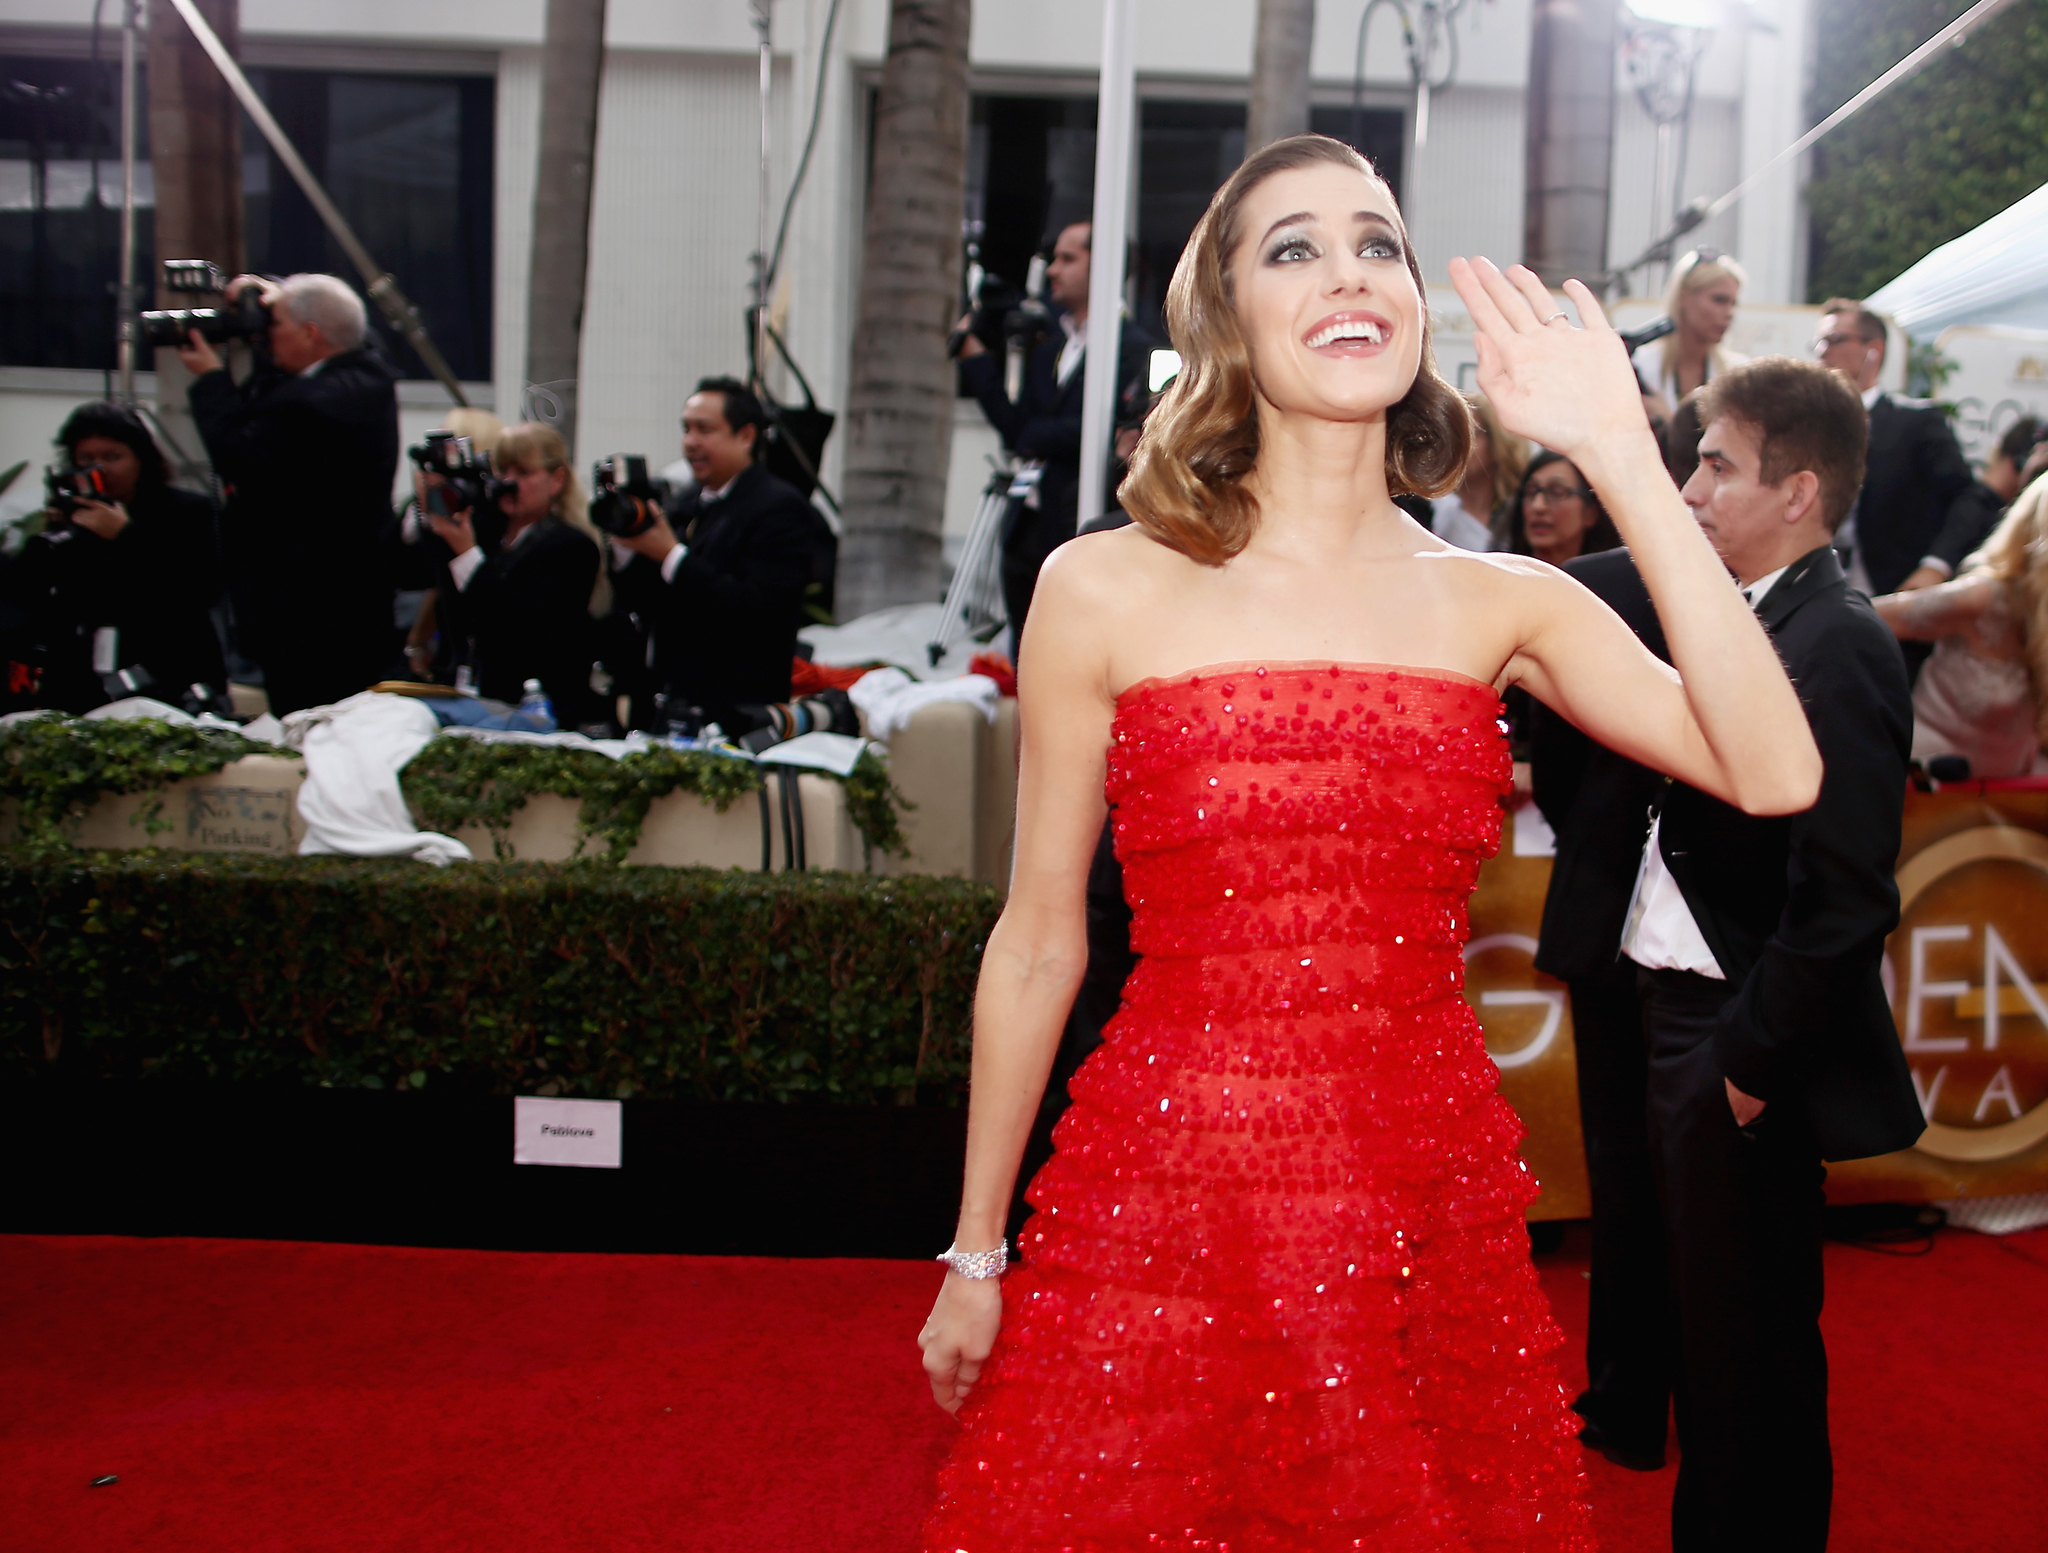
column 889, row 698
column 464, row 566
column 1451, row 522
column 1071, row 352
column 1649, row 361
column 1660, row 932
column 350, row 802
column 672, row 560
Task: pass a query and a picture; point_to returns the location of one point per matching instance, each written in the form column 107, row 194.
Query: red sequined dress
column 1277, row 1292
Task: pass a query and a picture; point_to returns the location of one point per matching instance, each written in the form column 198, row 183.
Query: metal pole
column 125, row 298
column 382, row 287
column 1115, row 105
column 763, row 27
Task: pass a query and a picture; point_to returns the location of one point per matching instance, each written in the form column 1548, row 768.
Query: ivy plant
column 55, row 767
column 457, row 780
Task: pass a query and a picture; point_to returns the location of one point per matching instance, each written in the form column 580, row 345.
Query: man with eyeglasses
column 1919, row 512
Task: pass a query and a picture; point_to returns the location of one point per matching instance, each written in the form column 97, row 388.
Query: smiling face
column 1330, row 312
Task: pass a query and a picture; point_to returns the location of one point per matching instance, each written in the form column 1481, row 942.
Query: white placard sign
column 567, row 1132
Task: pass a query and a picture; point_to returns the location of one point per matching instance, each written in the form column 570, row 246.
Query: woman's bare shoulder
column 1112, row 566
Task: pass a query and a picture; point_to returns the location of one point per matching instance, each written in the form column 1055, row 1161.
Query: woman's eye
column 1380, row 248
column 1291, row 249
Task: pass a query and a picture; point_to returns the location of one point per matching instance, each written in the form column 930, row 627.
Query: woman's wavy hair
column 1186, row 485
column 530, row 443
column 2016, row 554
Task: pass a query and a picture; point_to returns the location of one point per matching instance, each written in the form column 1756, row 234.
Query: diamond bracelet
column 977, row 1264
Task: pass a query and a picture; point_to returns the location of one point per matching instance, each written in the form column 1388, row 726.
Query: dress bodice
column 1280, row 805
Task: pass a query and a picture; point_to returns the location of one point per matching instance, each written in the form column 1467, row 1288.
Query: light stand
column 127, row 299
column 757, row 344
column 1660, row 60
column 1426, row 29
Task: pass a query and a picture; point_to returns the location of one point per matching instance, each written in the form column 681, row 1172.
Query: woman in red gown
column 1277, row 1293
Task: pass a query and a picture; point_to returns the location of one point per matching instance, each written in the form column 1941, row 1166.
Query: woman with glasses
column 1705, row 286
column 1555, row 516
column 525, row 601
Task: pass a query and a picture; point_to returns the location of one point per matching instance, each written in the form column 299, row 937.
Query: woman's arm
column 1728, row 721
column 1039, row 948
column 1929, row 614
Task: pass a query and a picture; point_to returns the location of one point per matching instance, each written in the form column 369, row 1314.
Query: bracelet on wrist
column 977, row 1264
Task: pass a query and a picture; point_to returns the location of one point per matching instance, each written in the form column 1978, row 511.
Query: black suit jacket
column 725, row 625
column 308, row 463
column 1796, row 908
column 1912, row 479
column 155, row 582
column 526, row 615
column 1597, row 802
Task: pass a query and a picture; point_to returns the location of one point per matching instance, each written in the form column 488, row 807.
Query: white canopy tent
column 1995, row 275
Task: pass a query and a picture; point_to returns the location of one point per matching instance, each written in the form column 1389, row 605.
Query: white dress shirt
column 1660, row 933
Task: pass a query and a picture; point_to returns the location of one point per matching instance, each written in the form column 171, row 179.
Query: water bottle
column 535, row 708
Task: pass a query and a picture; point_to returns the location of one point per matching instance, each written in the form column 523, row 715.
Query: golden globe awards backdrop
column 1967, row 973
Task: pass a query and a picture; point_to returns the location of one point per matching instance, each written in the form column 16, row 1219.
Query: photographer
column 118, row 586
column 521, row 597
column 308, row 448
column 725, row 600
column 1043, row 425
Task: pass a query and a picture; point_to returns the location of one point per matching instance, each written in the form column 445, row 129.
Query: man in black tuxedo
column 1771, row 1042
column 1917, row 514
column 725, row 600
column 1598, row 805
column 308, row 449
column 1043, row 425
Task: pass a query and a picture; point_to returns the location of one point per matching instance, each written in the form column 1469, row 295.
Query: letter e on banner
column 590, row 1133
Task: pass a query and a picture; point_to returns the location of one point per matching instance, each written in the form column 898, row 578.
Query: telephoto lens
column 247, row 317
column 623, row 500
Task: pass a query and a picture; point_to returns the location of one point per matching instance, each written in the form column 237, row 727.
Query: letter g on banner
column 1548, row 999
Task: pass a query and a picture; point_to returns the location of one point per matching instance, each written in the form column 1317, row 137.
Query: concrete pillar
column 1571, row 138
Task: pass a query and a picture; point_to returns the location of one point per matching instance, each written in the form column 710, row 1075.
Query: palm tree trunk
column 899, row 415
column 571, row 68
column 1280, row 72
column 195, row 139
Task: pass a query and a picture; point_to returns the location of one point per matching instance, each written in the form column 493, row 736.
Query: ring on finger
column 1554, row 317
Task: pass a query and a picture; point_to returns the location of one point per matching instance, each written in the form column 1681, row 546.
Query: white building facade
column 675, row 204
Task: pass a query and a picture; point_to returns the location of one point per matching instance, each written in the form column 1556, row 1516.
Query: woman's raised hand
column 1568, row 388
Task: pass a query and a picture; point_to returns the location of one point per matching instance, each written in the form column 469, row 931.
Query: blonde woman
column 1493, row 473
column 1279, row 1293
column 1705, row 286
column 1979, row 695
column 522, row 605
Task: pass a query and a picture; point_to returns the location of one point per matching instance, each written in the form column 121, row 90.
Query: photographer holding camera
column 1042, row 425
column 526, row 581
column 118, row 585
column 307, row 448
column 726, row 599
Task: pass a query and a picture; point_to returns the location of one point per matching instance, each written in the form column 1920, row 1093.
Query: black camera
column 67, row 487
column 245, row 318
column 466, row 481
column 623, row 500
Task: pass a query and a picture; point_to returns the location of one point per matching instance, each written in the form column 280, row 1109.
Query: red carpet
column 259, row 1396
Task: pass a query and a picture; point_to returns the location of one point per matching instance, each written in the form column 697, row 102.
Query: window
column 408, row 159
column 1031, row 171
column 60, row 211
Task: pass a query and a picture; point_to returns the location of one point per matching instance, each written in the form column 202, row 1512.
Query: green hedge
column 574, row 979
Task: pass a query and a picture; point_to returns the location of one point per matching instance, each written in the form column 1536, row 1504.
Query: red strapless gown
column 1277, row 1292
